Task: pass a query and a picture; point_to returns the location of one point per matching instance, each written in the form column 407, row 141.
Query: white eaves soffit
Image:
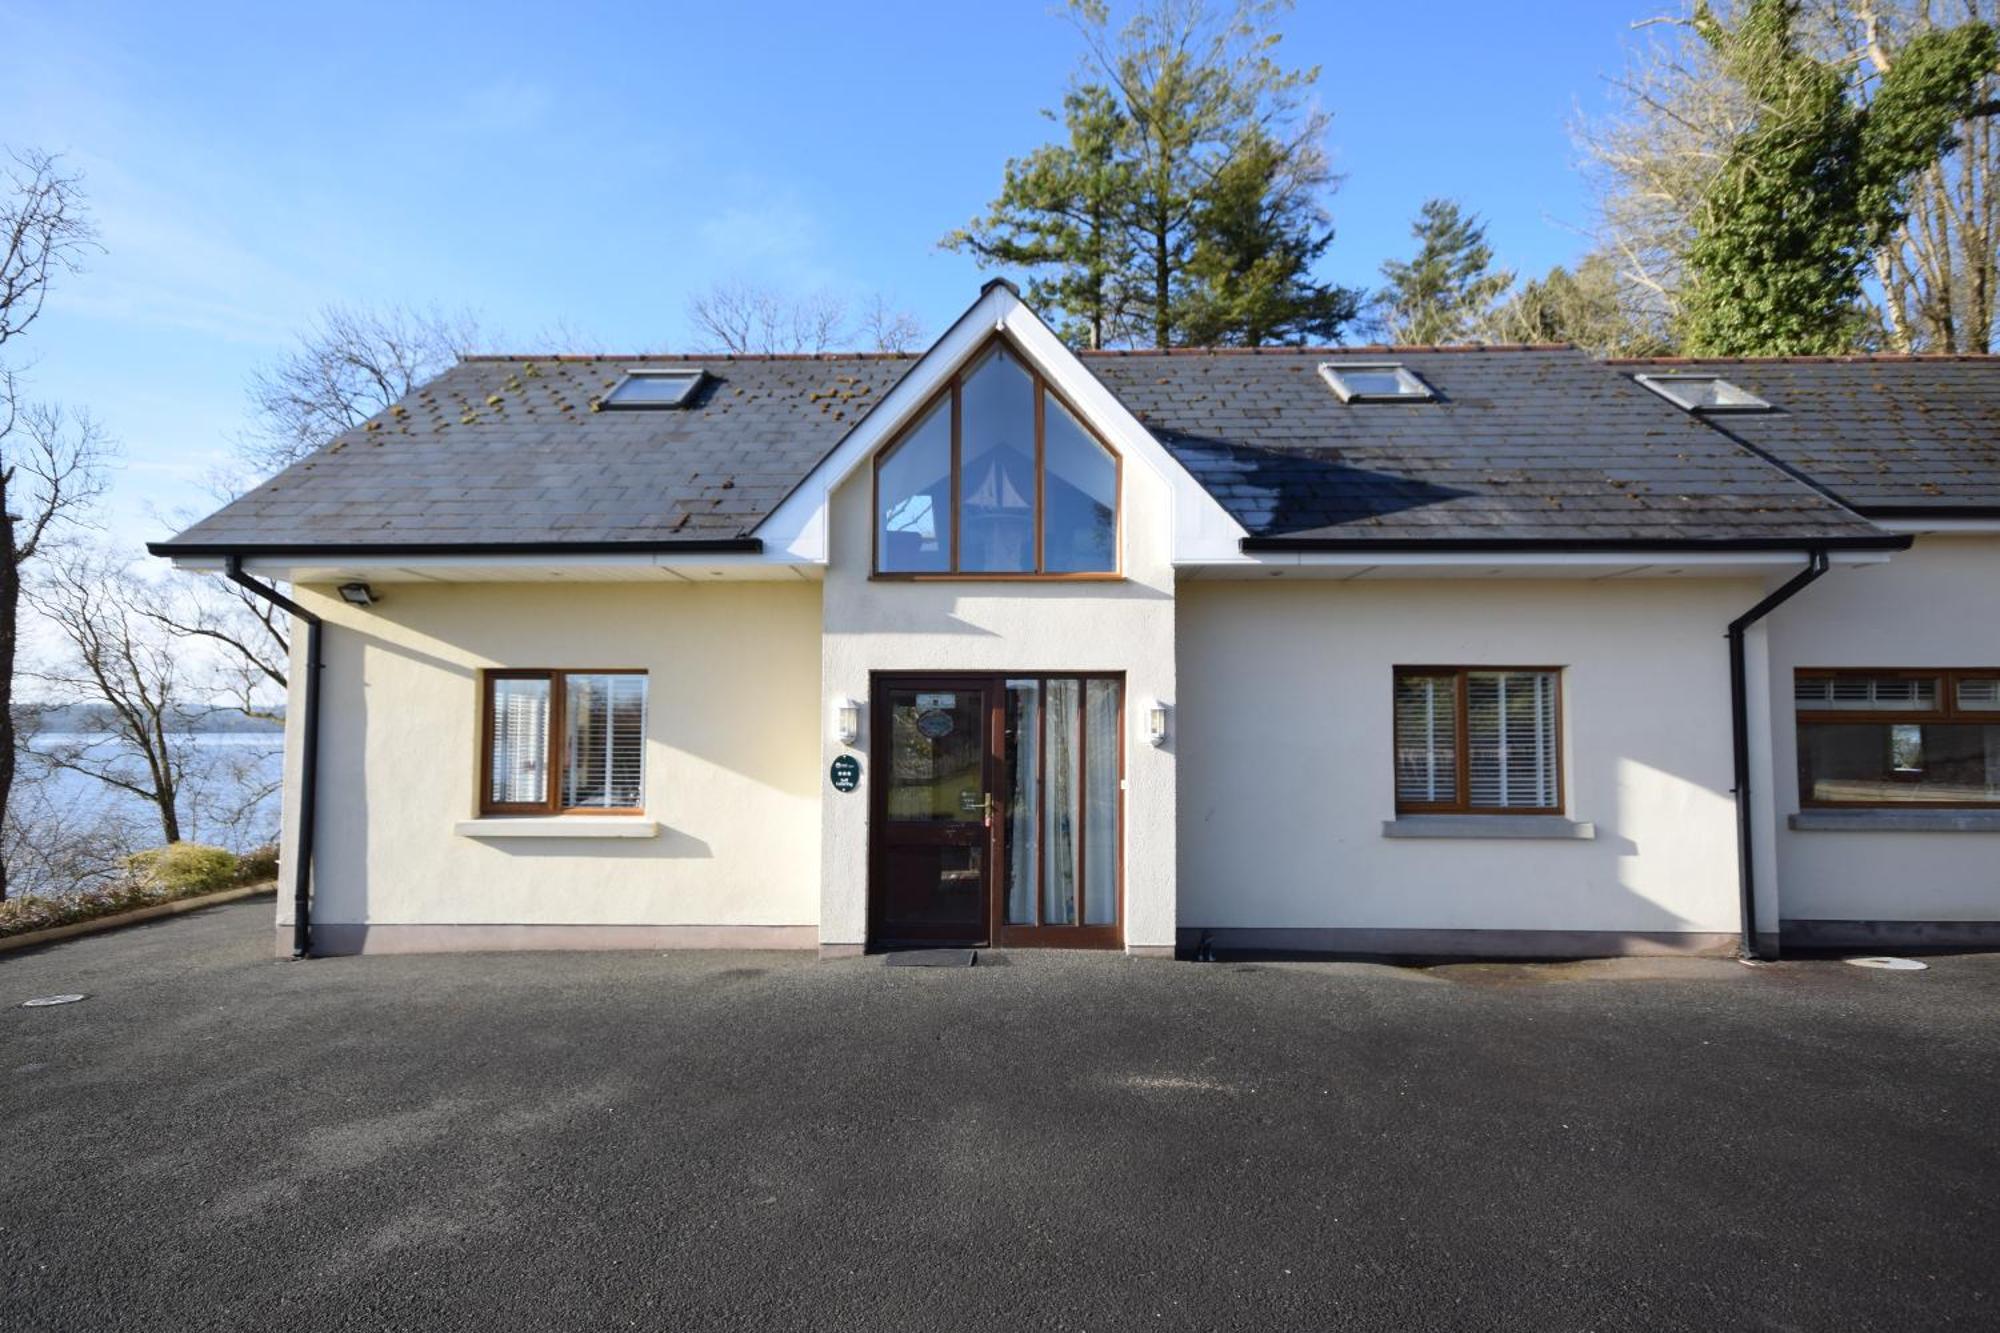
column 1203, row 531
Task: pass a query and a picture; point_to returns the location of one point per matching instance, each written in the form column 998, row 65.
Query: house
column 1497, row 650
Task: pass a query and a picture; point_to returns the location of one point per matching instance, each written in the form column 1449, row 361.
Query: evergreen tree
column 1443, row 293
column 1590, row 307
column 1817, row 183
column 1061, row 215
column 1258, row 231
column 1137, row 228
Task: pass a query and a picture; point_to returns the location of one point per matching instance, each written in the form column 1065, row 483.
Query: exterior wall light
column 846, row 720
column 1156, row 722
column 357, row 594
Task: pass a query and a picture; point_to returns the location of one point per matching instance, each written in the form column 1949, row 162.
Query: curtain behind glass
column 1024, row 798
column 1100, row 802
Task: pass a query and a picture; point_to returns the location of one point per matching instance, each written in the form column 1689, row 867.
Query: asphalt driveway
column 219, row 1140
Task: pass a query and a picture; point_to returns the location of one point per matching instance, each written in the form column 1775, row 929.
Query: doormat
column 934, row 958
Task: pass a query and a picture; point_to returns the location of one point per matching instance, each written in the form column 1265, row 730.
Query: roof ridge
column 1351, row 349
column 688, row 357
column 1841, row 358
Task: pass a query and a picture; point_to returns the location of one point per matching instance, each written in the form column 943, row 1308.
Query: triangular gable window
column 996, row 478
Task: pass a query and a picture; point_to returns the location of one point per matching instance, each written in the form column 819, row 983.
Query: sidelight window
column 1063, row 788
column 560, row 741
column 997, row 478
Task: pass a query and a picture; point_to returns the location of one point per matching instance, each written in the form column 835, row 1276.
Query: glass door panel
column 1062, row 781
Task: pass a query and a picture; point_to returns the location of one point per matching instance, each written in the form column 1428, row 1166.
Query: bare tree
column 887, row 329
column 111, row 656
column 48, row 473
column 44, row 230
column 349, row 365
column 744, row 319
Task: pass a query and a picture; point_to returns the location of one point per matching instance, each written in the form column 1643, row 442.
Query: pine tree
column 1062, row 215
column 1179, row 113
column 1259, row 229
column 1443, row 293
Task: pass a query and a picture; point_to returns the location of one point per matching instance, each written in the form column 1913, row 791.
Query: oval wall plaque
column 846, row 773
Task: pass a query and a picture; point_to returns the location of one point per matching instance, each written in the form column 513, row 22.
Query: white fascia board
column 1939, row 526
column 309, row 568
column 797, row 529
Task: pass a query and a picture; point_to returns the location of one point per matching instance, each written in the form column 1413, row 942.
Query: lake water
column 225, row 770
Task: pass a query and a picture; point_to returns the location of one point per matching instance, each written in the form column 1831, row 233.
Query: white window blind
column 1871, row 694
column 604, row 741
column 1511, row 731
column 1477, row 740
column 518, row 770
column 1427, row 739
column 1979, row 694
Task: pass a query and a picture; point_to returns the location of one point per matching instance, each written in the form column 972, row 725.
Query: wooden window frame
column 1043, row 390
column 1463, row 741
column 1947, row 711
column 558, row 679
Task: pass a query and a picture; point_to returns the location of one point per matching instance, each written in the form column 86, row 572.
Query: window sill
column 1545, row 827
column 1895, row 821
column 557, row 826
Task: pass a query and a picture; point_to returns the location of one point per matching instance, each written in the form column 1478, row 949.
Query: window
column 1374, row 381
column 1898, row 738
column 562, row 741
column 654, row 388
column 1478, row 740
column 1703, row 393
column 996, row 478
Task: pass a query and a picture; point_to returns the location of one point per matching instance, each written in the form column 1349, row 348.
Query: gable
column 1202, row 529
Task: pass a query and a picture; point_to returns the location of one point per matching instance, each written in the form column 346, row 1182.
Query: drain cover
column 44, row 1001
column 1890, row 964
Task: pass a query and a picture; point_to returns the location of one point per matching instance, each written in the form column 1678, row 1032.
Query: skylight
column 655, row 388
column 1374, row 381
column 1703, row 393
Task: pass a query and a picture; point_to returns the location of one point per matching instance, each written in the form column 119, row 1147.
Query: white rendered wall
column 731, row 756
column 1935, row 605
column 1285, row 747
column 1128, row 625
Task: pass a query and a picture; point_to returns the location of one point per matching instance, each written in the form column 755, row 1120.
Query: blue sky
column 593, row 166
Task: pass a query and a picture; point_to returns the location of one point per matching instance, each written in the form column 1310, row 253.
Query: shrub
column 258, row 865
column 184, row 868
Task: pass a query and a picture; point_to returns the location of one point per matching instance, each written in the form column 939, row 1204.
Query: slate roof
column 506, row 450
column 1889, row 435
column 1522, row 444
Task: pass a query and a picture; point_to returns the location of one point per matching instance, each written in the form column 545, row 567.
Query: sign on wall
column 846, row 773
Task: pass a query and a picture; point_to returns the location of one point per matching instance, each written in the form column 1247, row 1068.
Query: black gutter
column 308, row 756
column 265, row 550
column 1948, row 512
column 1739, row 726
column 1888, row 541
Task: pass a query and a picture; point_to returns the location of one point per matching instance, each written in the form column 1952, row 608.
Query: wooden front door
column 999, row 813
column 933, row 817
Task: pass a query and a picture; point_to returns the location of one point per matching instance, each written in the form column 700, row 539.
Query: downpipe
column 308, row 754
column 1739, row 723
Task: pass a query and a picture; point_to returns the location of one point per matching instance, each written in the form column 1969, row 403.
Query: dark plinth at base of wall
column 1823, row 934
column 1361, row 942
column 334, row 938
